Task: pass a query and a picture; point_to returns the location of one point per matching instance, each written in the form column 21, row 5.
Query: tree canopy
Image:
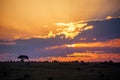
column 23, row 57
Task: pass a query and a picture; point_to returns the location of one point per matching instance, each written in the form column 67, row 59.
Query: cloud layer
column 104, row 37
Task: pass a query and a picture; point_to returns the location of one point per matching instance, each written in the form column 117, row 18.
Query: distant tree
column 82, row 61
column 75, row 61
column 23, row 57
column 110, row 61
column 55, row 61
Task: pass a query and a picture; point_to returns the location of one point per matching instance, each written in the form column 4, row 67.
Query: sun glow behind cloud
column 111, row 43
column 68, row 30
column 56, row 51
column 24, row 19
column 46, row 27
column 72, row 29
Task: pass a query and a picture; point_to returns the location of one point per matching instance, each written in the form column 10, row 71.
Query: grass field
column 59, row 71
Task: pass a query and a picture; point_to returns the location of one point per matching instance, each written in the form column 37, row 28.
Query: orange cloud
column 110, row 43
column 87, row 57
column 35, row 18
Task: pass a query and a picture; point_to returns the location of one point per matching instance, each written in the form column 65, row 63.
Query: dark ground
column 59, row 71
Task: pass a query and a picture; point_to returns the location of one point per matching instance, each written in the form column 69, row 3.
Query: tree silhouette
column 23, row 57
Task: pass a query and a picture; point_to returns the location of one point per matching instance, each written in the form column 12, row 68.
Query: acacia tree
column 23, row 57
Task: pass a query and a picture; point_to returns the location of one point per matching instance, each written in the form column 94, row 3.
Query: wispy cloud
column 111, row 43
column 87, row 57
column 7, row 43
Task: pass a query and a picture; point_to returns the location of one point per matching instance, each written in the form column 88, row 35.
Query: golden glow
column 94, row 44
column 73, row 45
column 72, row 29
column 81, row 55
column 51, row 34
column 111, row 43
column 87, row 57
column 108, row 17
column 36, row 18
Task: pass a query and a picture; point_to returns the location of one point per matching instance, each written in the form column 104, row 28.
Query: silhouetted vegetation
column 23, row 57
column 59, row 71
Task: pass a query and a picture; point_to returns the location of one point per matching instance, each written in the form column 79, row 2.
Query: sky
column 62, row 30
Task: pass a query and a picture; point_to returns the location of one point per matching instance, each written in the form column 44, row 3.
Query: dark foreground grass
column 59, row 71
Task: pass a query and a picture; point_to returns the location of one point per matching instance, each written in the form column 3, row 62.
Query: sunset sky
column 63, row 30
